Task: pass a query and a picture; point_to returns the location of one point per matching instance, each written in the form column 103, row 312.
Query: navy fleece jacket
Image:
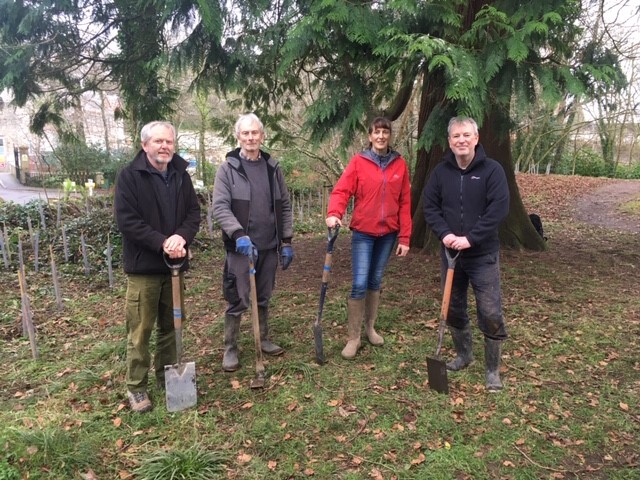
column 470, row 202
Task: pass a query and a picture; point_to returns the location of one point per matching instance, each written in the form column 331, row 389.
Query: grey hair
column 461, row 120
column 247, row 116
column 145, row 133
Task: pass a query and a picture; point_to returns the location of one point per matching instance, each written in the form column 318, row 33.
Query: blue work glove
column 286, row 256
column 245, row 247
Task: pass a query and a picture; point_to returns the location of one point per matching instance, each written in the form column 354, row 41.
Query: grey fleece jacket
column 232, row 199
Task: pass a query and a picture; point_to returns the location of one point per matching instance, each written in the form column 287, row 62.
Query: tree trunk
column 431, row 98
column 517, row 231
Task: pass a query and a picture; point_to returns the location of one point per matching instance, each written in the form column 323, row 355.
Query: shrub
column 586, row 162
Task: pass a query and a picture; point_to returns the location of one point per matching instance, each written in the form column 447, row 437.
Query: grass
column 571, row 373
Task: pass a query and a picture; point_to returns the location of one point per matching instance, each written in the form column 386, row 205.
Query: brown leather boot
column 355, row 315
column 372, row 300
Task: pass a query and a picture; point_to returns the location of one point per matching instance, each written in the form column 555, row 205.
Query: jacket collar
column 140, row 162
column 478, row 158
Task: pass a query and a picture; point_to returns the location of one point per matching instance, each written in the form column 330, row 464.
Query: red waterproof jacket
column 382, row 196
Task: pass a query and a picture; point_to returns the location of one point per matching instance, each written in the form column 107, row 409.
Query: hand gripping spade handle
column 326, row 272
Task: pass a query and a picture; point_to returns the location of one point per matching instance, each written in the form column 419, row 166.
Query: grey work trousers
column 235, row 280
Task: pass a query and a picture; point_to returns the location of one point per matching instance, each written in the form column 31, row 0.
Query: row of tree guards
column 9, row 258
column 303, row 203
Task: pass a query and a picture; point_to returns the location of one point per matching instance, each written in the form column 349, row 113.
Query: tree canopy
column 345, row 60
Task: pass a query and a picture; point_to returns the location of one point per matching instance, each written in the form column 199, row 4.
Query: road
column 13, row 191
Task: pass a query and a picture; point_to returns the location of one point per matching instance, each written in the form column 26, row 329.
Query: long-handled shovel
column 179, row 379
column 437, row 368
column 326, row 272
column 258, row 381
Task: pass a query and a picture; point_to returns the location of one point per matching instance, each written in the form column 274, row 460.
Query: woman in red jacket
column 378, row 179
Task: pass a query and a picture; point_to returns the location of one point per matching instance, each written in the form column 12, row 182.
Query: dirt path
column 601, row 207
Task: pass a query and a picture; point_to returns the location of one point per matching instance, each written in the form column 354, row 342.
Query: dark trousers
column 235, row 280
column 483, row 273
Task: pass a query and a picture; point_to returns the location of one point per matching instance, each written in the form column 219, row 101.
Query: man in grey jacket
column 251, row 204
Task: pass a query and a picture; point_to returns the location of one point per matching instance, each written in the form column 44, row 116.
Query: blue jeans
column 483, row 273
column 369, row 257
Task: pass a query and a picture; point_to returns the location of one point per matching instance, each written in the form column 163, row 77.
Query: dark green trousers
column 149, row 303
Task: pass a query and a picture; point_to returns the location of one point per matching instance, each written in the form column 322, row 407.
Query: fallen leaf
column 624, row 406
column 506, row 421
column 376, row 474
column 244, row 457
column 235, row 384
column 507, row 463
column 272, row 464
column 32, row 450
column 90, row 475
column 420, row 459
column 247, row 406
column 309, row 472
column 117, row 422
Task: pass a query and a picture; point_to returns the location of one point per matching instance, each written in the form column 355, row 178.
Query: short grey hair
column 460, row 121
column 247, row 116
column 145, row 133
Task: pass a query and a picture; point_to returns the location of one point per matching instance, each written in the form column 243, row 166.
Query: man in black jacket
column 465, row 200
column 158, row 213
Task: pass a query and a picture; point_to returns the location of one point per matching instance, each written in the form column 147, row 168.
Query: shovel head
column 180, row 383
column 437, row 372
column 258, row 380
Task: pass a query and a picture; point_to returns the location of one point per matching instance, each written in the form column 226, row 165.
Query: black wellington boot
column 462, row 343
column 492, row 363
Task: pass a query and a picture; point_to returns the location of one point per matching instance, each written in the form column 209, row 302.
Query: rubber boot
column 462, row 343
column 355, row 314
column 266, row 345
column 230, row 362
column 492, row 364
column 371, row 302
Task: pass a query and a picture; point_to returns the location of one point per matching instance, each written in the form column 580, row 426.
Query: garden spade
column 258, row 381
column 437, row 368
column 180, row 379
column 326, row 272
